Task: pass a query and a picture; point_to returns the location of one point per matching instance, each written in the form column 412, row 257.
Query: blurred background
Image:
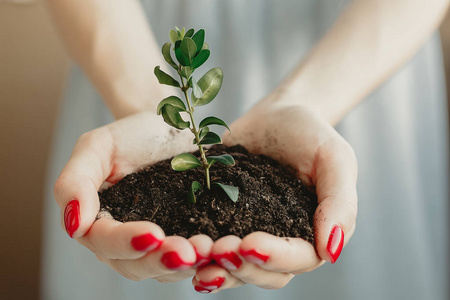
column 33, row 69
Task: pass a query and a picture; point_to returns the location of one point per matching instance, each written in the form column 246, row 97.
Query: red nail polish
column 335, row 243
column 72, row 217
column 228, row 260
column 214, row 284
column 146, row 243
column 174, row 262
column 201, row 260
column 202, row 290
column 254, row 256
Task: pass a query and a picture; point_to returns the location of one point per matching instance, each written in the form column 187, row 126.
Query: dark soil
column 271, row 199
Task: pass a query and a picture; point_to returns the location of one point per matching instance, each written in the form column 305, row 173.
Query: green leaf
column 167, row 56
column 196, row 90
column 172, row 117
column 199, row 39
column 195, row 186
column 180, row 33
column 231, row 191
column 200, row 59
column 182, row 59
column 185, row 161
column 186, row 72
column 188, row 48
column 165, row 78
column 213, row 121
column 210, row 84
column 210, row 138
column 172, row 100
column 203, row 132
column 189, row 33
column 225, row 159
column 173, row 36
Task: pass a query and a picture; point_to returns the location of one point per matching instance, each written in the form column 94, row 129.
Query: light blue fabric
column 400, row 135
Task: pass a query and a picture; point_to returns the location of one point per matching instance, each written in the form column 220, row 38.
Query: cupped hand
column 137, row 250
column 300, row 138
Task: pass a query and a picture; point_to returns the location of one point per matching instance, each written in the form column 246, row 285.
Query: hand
column 298, row 137
column 137, row 250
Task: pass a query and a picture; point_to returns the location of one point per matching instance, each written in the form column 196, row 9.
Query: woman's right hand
column 101, row 157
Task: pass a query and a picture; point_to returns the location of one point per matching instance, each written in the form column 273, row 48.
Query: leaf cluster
column 191, row 52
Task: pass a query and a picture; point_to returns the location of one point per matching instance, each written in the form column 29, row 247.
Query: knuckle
column 93, row 138
column 88, row 137
column 277, row 284
column 165, row 279
column 351, row 212
column 119, row 267
column 253, row 238
column 101, row 258
column 59, row 186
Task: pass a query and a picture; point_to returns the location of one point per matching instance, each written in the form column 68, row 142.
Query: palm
column 139, row 140
column 292, row 135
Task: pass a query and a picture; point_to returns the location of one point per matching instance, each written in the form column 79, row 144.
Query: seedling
column 191, row 52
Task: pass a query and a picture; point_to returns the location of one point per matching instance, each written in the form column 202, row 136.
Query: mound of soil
column 271, row 198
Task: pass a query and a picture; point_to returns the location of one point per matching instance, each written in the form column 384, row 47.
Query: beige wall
column 32, row 70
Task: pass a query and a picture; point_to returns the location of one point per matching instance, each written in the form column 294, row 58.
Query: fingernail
column 229, row 260
column 146, row 243
column 173, row 261
column 214, row 284
column 201, row 260
column 255, row 256
column 335, row 243
column 202, row 290
column 72, row 217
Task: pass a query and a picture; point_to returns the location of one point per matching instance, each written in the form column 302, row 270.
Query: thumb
column 76, row 188
column 335, row 180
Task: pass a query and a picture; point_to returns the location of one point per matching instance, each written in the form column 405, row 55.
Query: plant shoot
column 191, row 52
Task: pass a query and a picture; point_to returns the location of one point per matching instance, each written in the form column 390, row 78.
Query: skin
column 369, row 42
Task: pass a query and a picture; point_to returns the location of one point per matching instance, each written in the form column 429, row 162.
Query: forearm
column 113, row 44
column 368, row 43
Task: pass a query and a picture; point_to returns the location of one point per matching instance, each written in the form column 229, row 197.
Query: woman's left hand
column 299, row 137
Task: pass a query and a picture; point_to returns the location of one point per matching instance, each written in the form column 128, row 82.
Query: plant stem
column 194, row 130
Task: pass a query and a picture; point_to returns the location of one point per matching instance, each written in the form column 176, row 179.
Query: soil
column 271, row 198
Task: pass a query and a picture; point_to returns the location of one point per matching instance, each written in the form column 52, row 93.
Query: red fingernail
column 229, row 260
column 201, row 260
column 335, row 243
column 174, row 262
column 214, row 284
column 254, row 256
column 146, row 242
column 72, row 217
column 202, row 290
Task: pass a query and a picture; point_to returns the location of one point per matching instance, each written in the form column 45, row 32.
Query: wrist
column 123, row 102
column 295, row 94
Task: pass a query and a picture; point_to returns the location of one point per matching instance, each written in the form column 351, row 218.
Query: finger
column 76, row 188
column 111, row 239
column 272, row 253
column 225, row 252
column 335, row 216
column 214, row 278
column 202, row 245
column 169, row 263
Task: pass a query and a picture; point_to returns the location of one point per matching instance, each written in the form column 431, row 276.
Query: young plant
column 191, row 52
